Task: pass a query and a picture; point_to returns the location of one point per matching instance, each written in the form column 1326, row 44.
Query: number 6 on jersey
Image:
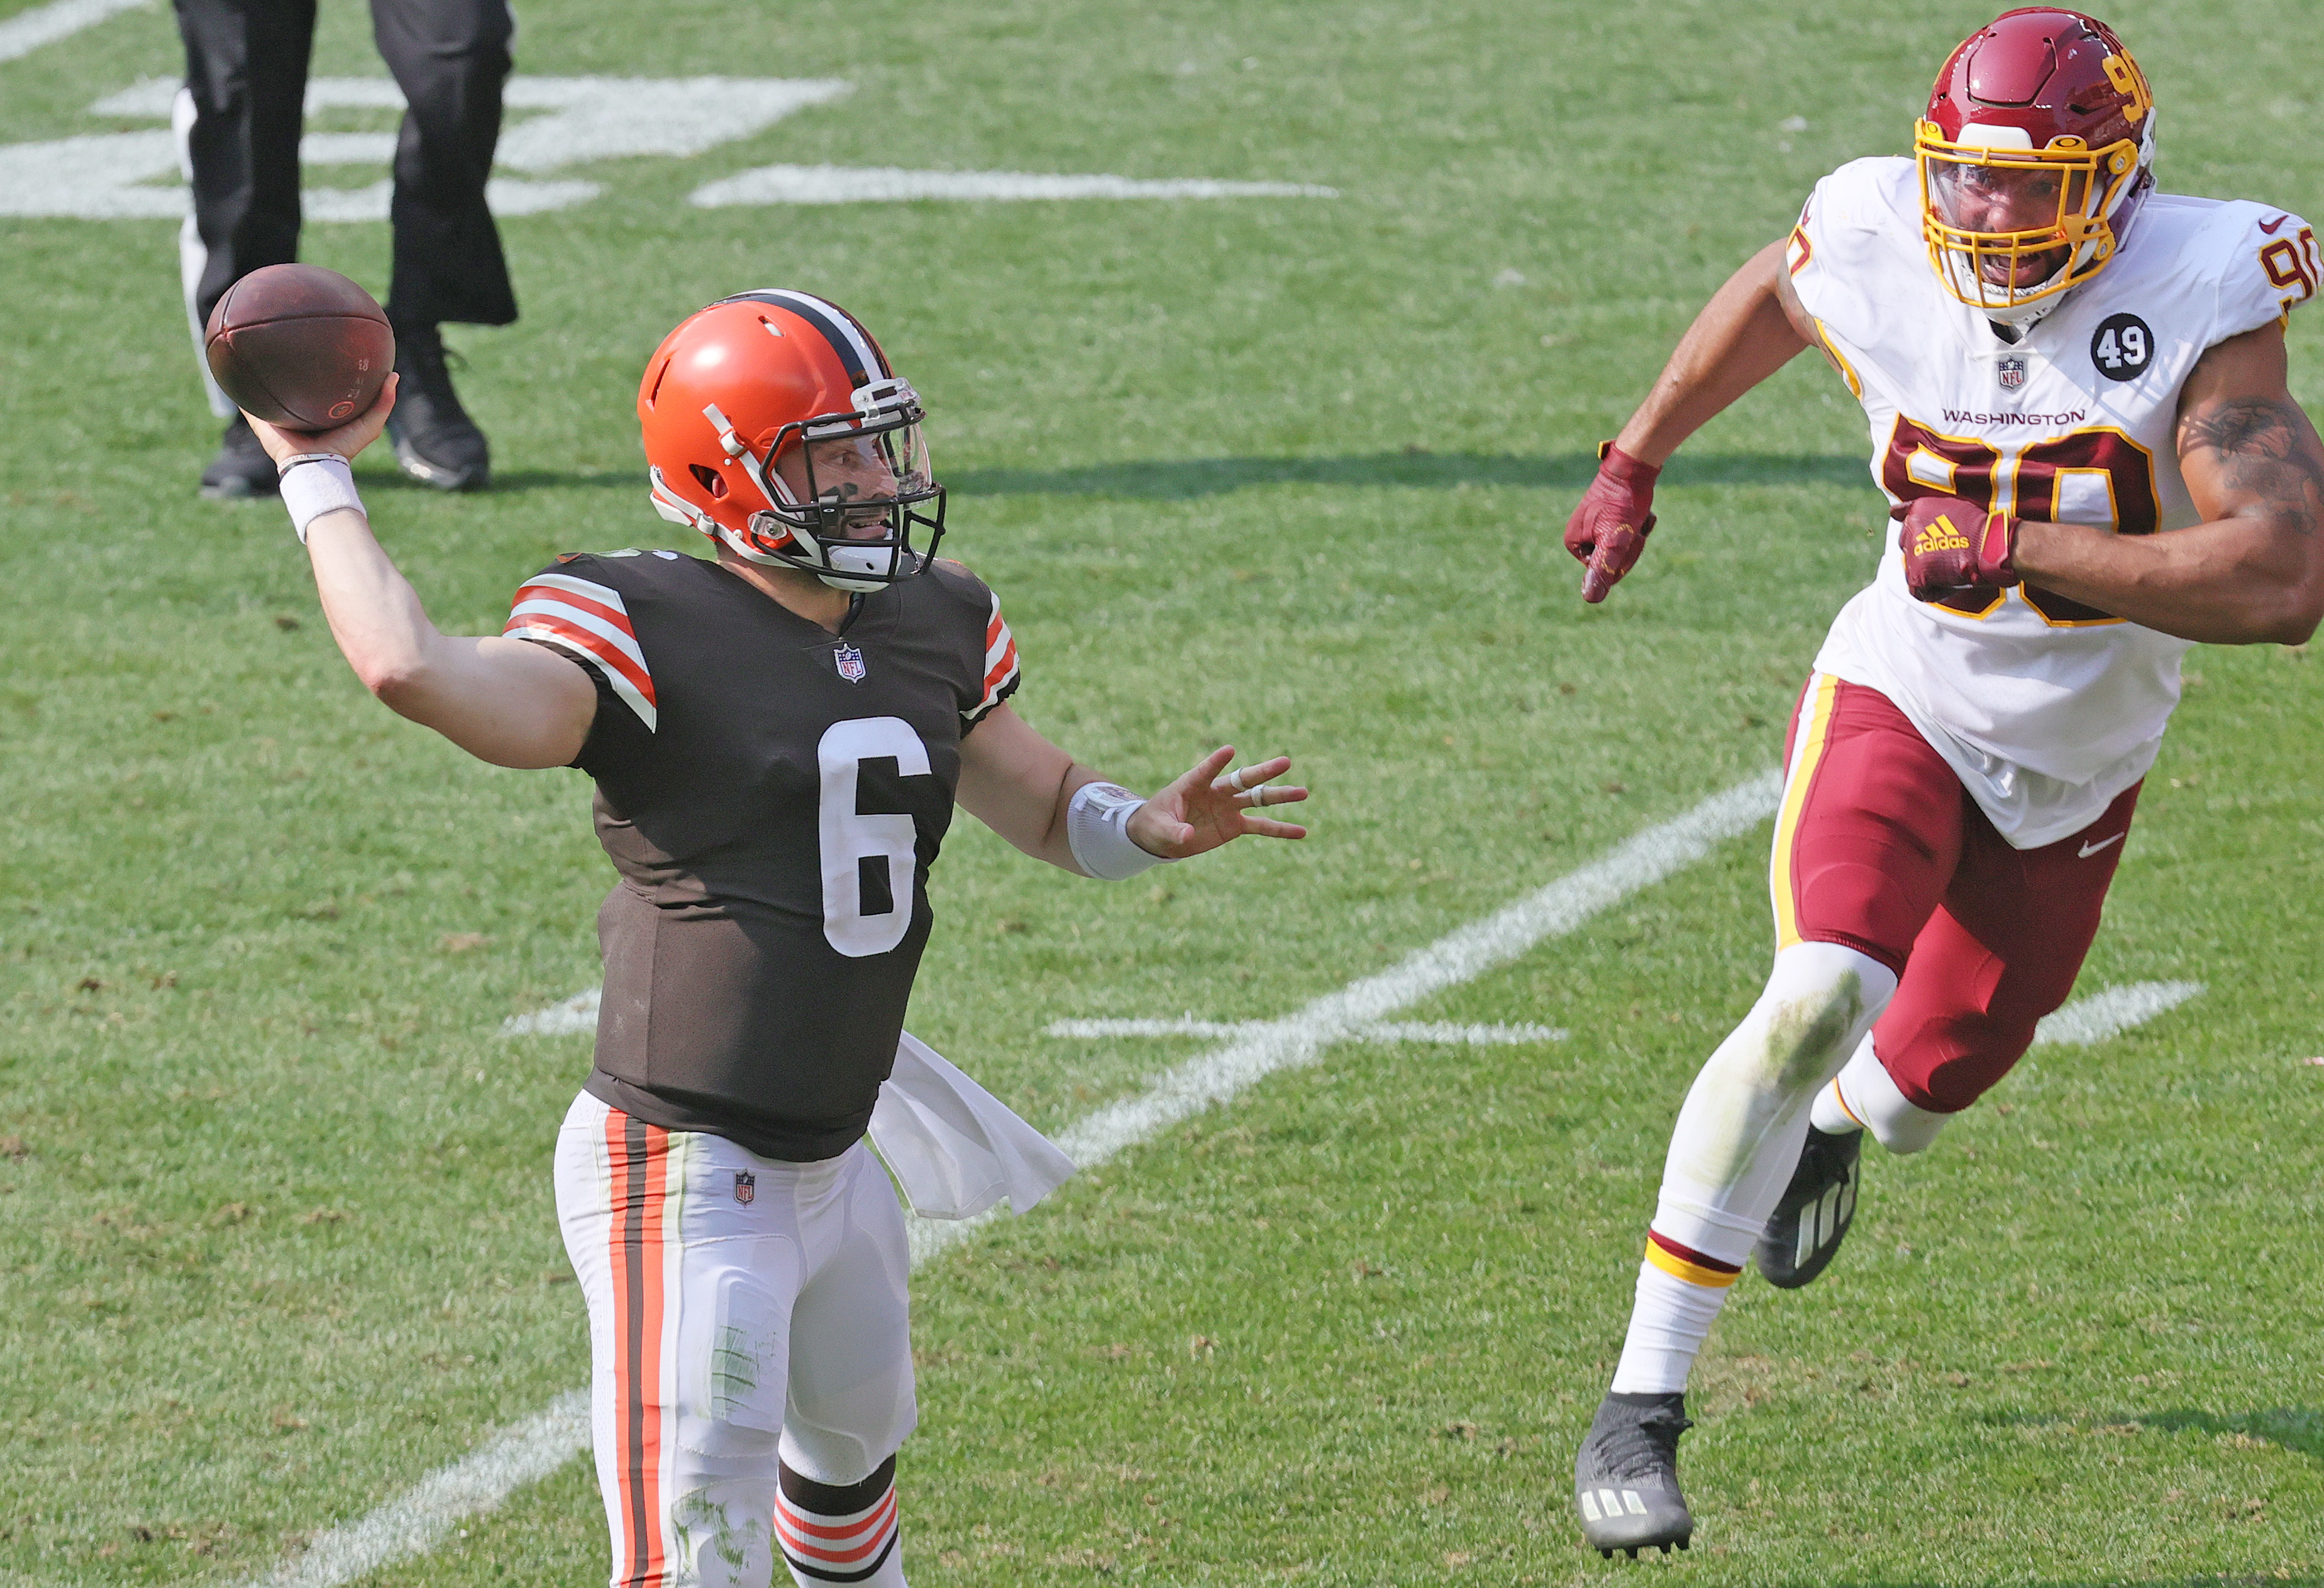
column 867, row 860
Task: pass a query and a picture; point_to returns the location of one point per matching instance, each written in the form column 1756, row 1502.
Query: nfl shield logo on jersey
column 2013, row 373
column 746, row 1185
column 851, row 667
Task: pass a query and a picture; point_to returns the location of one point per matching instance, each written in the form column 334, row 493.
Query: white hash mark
column 2113, row 1010
column 415, row 1522
column 578, row 1012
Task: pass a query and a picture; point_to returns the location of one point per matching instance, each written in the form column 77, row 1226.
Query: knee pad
column 1820, row 1000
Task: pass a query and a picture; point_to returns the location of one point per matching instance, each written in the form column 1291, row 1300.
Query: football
column 299, row 347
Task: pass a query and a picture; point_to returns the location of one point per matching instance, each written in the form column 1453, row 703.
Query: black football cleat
column 1626, row 1476
column 242, row 468
column 436, row 442
column 1804, row 1232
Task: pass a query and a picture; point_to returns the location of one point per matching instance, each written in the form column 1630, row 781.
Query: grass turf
column 274, row 1232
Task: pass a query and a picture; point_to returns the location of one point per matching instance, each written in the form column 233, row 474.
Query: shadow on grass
column 557, row 479
column 2296, row 1429
column 1184, row 478
column 1194, row 477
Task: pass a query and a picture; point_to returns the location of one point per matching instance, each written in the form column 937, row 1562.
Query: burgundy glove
column 1610, row 529
column 1951, row 545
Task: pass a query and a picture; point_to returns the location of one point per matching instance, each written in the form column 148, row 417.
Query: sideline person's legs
column 451, row 59
column 237, row 121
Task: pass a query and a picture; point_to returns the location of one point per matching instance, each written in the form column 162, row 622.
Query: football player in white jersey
column 2079, row 414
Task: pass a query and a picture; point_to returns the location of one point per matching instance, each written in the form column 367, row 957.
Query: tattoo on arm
column 2264, row 455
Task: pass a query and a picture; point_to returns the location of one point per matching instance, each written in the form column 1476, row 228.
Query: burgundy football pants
column 1878, row 847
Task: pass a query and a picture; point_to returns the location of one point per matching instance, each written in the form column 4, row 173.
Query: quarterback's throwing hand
column 1952, row 545
column 347, row 441
column 1209, row 806
column 1610, row 529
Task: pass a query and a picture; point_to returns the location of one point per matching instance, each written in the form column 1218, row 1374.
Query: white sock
column 1668, row 1323
column 1734, row 1147
column 1865, row 1096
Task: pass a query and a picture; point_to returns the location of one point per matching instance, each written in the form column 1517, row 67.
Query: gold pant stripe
column 1823, row 692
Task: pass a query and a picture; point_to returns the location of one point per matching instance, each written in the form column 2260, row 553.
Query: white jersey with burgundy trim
column 773, row 796
column 2046, row 707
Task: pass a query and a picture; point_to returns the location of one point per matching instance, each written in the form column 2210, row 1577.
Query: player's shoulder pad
column 581, row 603
column 629, row 561
column 989, row 634
column 1864, row 195
column 956, row 581
column 1861, row 223
column 2263, row 261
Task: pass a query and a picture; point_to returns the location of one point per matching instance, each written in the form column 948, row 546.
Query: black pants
column 247, row 67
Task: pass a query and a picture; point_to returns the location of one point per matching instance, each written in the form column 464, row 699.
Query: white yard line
column 417, row 1520
column 2113, row 1010
column 833, row 184
column 1459, row 956
column 1378, row 1031
column 27, row 31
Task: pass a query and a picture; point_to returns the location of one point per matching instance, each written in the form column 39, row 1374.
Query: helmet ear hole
column 712, row 480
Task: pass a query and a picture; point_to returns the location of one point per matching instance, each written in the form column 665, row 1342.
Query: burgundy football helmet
column 2036, row 152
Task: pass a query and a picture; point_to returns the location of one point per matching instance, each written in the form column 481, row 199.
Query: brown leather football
column 299, row 346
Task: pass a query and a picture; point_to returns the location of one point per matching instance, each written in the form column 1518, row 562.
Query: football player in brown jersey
column 779, row 737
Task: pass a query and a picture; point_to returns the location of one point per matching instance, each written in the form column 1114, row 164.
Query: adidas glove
column 1951, row 544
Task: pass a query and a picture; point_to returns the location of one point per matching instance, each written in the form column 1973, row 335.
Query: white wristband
column 315, row 483
column 1097, row 829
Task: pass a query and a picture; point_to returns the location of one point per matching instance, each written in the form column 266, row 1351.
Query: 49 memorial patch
column 2122, row 347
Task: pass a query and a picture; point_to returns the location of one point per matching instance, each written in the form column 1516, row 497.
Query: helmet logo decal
column 851, row 663
column 2123, row 74
column 2122, row 347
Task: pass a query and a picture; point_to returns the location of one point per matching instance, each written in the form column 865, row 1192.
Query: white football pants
column 742, row 1309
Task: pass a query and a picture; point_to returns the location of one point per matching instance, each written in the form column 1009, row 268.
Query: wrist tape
column 315, row 483
column 1097, row 827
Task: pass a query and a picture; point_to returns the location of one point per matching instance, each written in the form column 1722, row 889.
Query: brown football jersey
column 773, row 795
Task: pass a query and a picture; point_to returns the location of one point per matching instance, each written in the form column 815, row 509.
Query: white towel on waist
column 954, row 1147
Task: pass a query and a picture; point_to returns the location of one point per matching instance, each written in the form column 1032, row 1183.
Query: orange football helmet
column 773, row 424
column 2037, row 149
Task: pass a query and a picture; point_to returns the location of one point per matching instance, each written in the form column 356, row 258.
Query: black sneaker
column 1626, row 1476
column 242, row 468
column 435, row 440
column 1804, row 1232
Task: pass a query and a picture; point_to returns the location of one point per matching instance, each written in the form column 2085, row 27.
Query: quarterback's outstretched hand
column 1610, row 529
column 1951, row 545
column 347, row 441
column 1204, row 809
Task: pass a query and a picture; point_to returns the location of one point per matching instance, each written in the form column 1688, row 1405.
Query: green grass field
column 275, row 1225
